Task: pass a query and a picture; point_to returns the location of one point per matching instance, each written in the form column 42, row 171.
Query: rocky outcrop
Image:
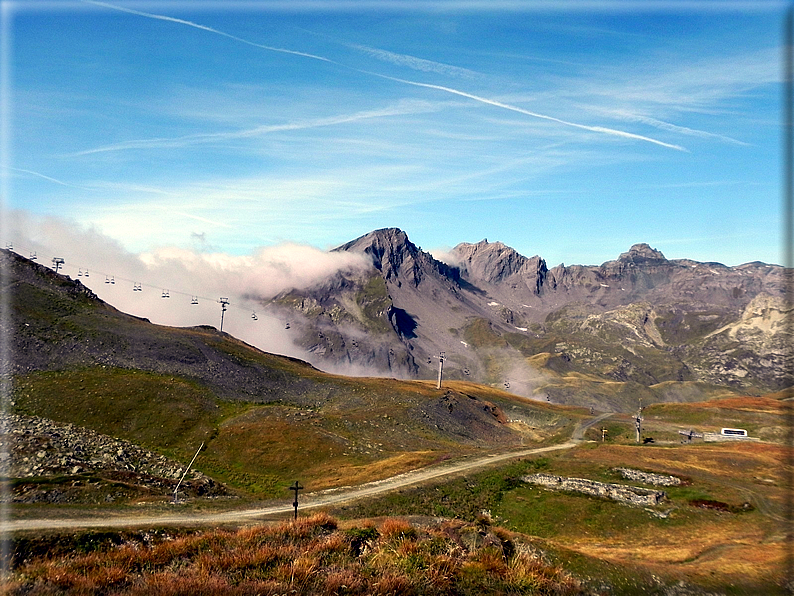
column 35, row 447
column 630, row 495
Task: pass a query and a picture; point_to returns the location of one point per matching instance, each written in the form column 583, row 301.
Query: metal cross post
column 296, row 487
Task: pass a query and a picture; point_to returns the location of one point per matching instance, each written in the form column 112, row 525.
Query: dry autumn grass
column 310, row 556
column 707, row 547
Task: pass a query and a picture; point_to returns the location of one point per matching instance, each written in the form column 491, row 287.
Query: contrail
column 160, row 17
column 55, row 180
column 485, row 100
column 413, row 62
column 681, row 129
column 506, row 106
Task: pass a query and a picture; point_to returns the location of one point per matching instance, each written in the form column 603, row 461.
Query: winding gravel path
column 335, row 496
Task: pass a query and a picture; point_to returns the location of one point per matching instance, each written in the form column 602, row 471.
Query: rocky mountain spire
column 396, row 257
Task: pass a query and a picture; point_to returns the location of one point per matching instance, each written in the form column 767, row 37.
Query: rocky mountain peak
column 641, row 252
column 388, row 248
column 394, row 255
column 488, row 261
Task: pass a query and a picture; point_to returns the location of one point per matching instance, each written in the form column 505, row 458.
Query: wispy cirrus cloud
column 662, row 125
column 400, row 108
column 596, row 129
column 664, row 83
column 49, row 178
column 414, row 63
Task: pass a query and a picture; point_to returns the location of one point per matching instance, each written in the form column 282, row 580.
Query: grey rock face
column 639, row 318
column 40, row 447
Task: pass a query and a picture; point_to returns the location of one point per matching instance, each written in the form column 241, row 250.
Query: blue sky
column 568, row 130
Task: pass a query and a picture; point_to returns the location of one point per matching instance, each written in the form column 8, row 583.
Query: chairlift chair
column 194, row 300
column 166, row 294
column 254, row 317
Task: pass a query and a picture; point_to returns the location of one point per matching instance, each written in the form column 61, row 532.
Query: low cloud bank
column 184, row 275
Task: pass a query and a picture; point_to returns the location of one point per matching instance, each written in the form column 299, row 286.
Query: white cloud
column 247, row 280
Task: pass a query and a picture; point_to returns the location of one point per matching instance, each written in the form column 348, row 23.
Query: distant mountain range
column 679, row 329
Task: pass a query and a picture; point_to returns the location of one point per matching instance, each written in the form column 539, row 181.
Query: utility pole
column 296, row 487
column 224, row 303
column 441, row 358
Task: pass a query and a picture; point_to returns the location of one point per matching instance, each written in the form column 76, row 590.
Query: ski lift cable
column 137, row 284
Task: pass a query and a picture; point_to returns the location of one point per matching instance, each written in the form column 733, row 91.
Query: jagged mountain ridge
column 639, row 318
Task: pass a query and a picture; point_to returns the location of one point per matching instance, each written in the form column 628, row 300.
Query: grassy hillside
column 719, row 531
column 265, row 420
column 335, row 431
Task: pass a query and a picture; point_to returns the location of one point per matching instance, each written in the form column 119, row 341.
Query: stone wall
column 648, row 478
column 630, row 495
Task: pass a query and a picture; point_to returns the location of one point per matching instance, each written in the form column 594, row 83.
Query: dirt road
column 333, row 496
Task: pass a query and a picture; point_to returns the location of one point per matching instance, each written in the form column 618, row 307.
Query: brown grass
column 747, row 404
column 309, row 556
